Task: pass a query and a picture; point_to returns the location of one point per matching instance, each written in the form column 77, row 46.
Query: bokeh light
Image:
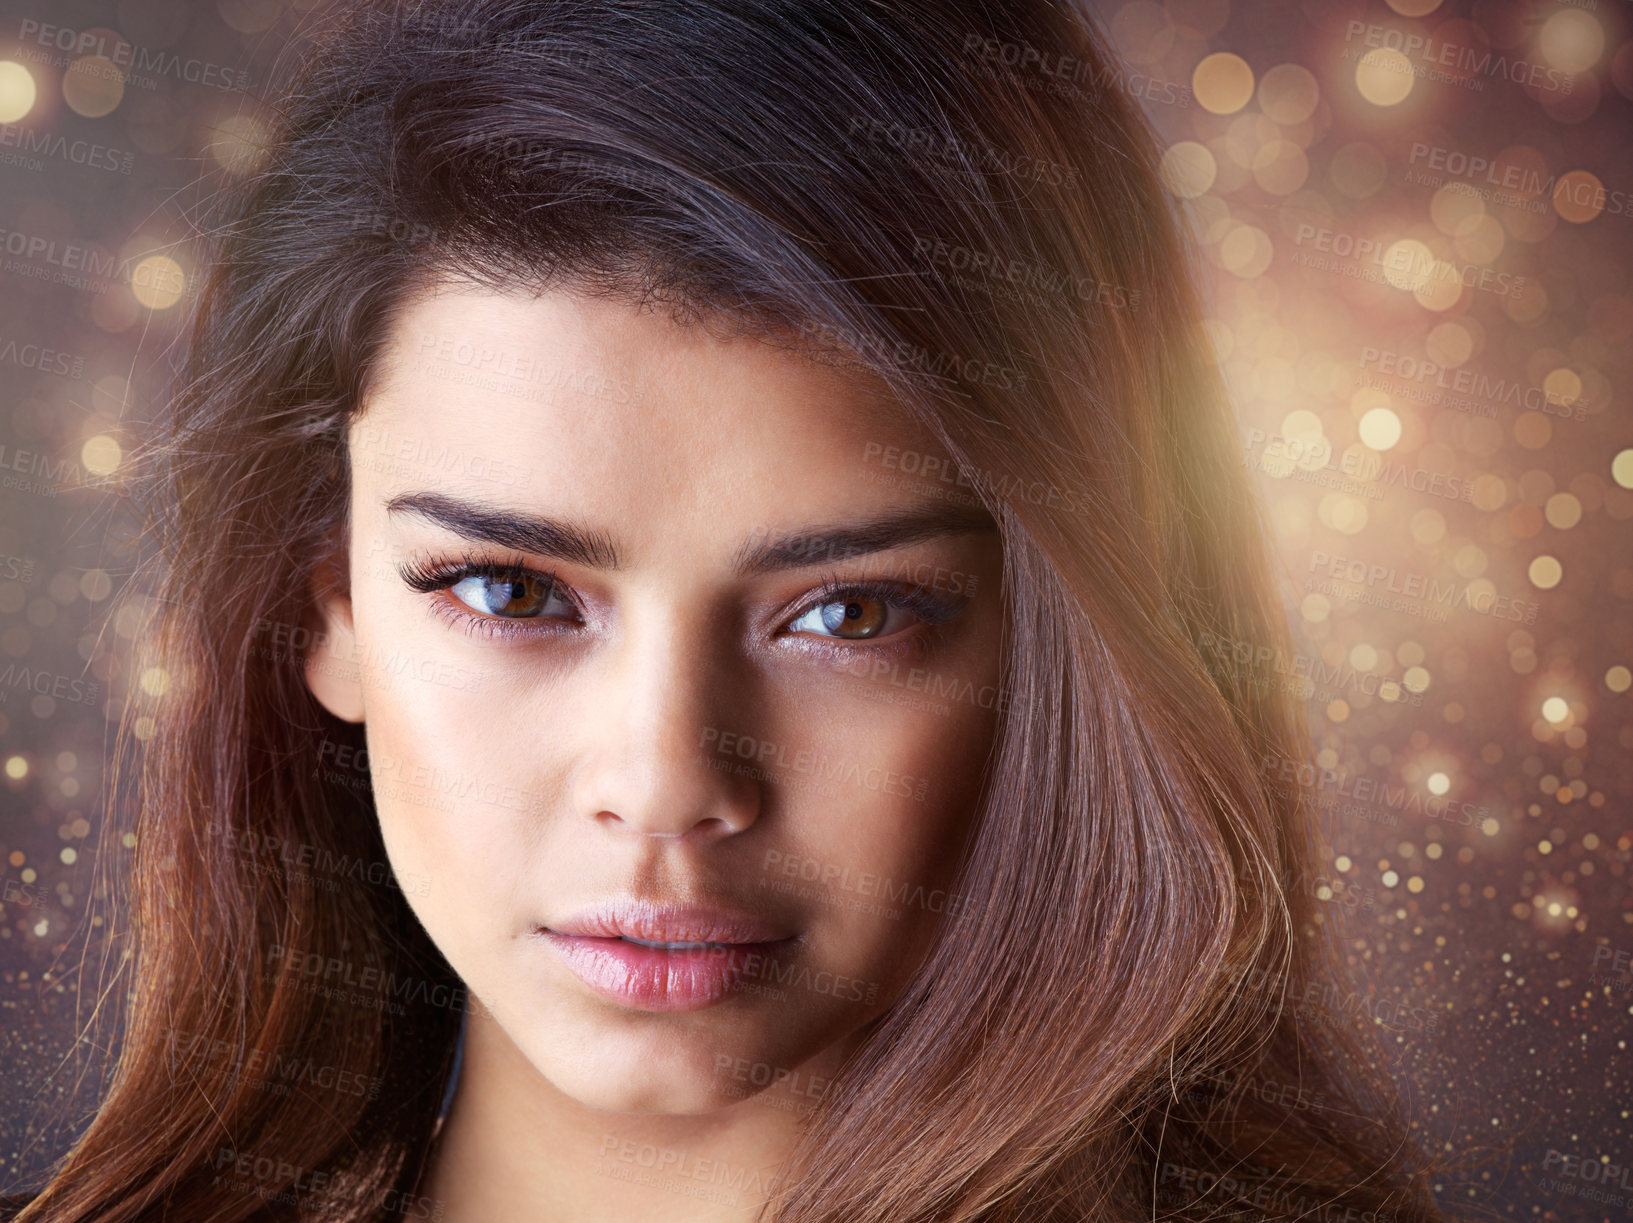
column 1223, row 83
column 1384, row 76
column 93, row 86
column 17, row 91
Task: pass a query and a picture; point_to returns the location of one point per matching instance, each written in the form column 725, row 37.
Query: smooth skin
column 597, row 750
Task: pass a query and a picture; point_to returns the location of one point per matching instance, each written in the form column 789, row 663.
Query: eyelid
column 921, row 599
column 427, row 576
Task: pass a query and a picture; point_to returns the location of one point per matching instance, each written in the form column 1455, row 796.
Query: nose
column 646, row 768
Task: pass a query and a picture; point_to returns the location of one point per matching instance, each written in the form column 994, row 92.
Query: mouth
column 655, row 957
column 660, row 946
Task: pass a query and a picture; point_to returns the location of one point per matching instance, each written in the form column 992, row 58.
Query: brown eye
column 513, row 598
column 852, row 619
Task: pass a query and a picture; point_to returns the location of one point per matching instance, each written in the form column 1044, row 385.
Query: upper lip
column 661, row 922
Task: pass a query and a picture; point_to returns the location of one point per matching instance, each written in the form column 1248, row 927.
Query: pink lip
column 593, row 945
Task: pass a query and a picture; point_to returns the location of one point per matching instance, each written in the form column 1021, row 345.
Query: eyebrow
column 774, row 550
column 841, row 541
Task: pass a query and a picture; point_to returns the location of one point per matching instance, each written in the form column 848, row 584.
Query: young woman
column 685, row 532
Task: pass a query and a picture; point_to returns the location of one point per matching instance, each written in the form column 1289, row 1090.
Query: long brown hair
column 939, row 190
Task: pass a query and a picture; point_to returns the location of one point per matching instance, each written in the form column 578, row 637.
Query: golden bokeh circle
column 17, row 91
column 1380, row 428
column 238, row 144
column 1222, row 83
column 100, row 455
column 1450, row 344
column 158, row 282
column 93, row 86
column 1533, row 430
column 1384, row 77
column 1289, row 93
column 1246, row 252
column 1545, row 572
column 1409, row 264
column 1441, row 287
column 1621, row 468
column 1572, row 40
column 1188, row 169
column 1579, row 196
column 1563, row 511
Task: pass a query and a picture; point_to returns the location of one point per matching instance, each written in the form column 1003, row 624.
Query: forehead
column 597, row 405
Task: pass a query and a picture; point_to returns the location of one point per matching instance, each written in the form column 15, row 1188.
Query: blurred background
column 1415, row 223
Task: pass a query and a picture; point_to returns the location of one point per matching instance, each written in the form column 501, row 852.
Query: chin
column 638, row 1086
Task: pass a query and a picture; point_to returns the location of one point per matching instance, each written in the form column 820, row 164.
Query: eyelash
column 923, row 601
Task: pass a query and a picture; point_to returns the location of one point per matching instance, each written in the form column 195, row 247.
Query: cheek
column 875, row 861
column 905, row 748
column 460, row 794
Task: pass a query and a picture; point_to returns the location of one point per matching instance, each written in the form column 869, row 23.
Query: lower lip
column 652, row 979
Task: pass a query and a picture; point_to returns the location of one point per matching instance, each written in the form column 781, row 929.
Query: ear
column 332, row 671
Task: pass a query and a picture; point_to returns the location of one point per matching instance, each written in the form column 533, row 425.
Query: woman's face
column 677, row 692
